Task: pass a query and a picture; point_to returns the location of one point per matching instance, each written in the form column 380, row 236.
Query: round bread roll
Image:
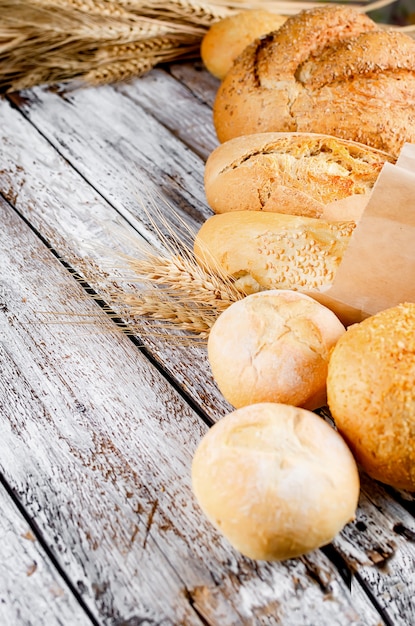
column 273, row 346
column 228, row 37
column 371, row 394
column 328, row 70
column 276, row 480
column 296, row 173
column 263, row 250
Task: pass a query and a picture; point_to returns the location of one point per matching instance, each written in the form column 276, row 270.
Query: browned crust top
column 368, row 54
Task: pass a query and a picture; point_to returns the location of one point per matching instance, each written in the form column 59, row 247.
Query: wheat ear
column 170, row 287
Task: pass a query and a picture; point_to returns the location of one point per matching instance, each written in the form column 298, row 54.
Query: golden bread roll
column 371, row 394
column 273, row 346
column 228, row 37
column 276, row 480
column 328, row 70
column 296, row 173
column 264, row 250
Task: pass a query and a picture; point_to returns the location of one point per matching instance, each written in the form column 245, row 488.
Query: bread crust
column 296, row 173
column 371, row 395
column 227, row 38
column 273, row 346
column 276, row 480
column 329, row 70
column 263, row 250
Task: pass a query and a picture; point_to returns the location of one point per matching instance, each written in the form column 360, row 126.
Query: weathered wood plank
column 380, row 546
column 98, row 446
column 187, row 116
column 121, row 149
column 31, row 590
column 202, row 84
column 80, row 225
column 62, row 399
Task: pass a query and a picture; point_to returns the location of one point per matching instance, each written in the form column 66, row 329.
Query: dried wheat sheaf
column 104, row 41
column 172, row 290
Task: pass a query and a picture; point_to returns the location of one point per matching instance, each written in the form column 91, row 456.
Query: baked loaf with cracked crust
column 277, row 481
column 371, row 394
column 284, row 354
column 227, row 38
column 261, row 250
column 328, row 70
column 296, row 173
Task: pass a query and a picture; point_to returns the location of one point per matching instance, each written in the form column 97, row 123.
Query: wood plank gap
column 44, row 545
column 405, row 499
column 192, row 603
column 126, row 215
column 387, row 620
column 340, row 563
column 17, row 103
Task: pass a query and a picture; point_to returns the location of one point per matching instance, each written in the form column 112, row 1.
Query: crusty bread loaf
column 273, row 346
column 296, row 173
column 227, row 38
column 276, row 480
column 371, row 394
column 264, row 250
column 328, row 70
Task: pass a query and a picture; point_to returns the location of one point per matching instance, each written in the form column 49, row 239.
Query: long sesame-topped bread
column 296, row 173
column 273, row 250
column 328, row 70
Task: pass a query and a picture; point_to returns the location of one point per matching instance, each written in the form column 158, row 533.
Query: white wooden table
column 98, row 428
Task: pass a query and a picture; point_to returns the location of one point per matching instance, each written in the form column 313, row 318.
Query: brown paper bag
column 378, row 268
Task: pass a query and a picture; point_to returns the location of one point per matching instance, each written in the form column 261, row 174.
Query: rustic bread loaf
column 276, row 480
column 371, row 394
column 263, row 250
column 227, row 38
column 273, row 346
column 328, row 70
column 296, row 173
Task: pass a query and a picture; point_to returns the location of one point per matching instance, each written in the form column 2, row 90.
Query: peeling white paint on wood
column 31, row 590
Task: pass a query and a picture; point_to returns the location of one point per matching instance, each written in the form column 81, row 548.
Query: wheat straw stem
column 169, row 312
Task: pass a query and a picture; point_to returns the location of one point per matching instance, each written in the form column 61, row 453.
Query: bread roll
column 261, row 250
column 227, row 38
column 328, row 70
column 371, row 394
column 276, row 480
column 296, row 173
column 273, row 346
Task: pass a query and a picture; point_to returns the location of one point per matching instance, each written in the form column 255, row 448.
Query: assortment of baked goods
column 276, row 480
column 329, row 70
column 308, row 115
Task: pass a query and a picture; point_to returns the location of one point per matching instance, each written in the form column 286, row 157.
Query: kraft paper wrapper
column 378, row 268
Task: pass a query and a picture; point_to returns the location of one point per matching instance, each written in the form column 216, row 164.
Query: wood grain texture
column 201, row 84
column 87, row 231
column 97, row 447
column 31, row 591
column 187, row 116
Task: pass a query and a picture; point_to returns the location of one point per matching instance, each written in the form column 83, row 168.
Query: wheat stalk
column 50, row 41
column 172, row 288
column 174, row 299
column 102, row 41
